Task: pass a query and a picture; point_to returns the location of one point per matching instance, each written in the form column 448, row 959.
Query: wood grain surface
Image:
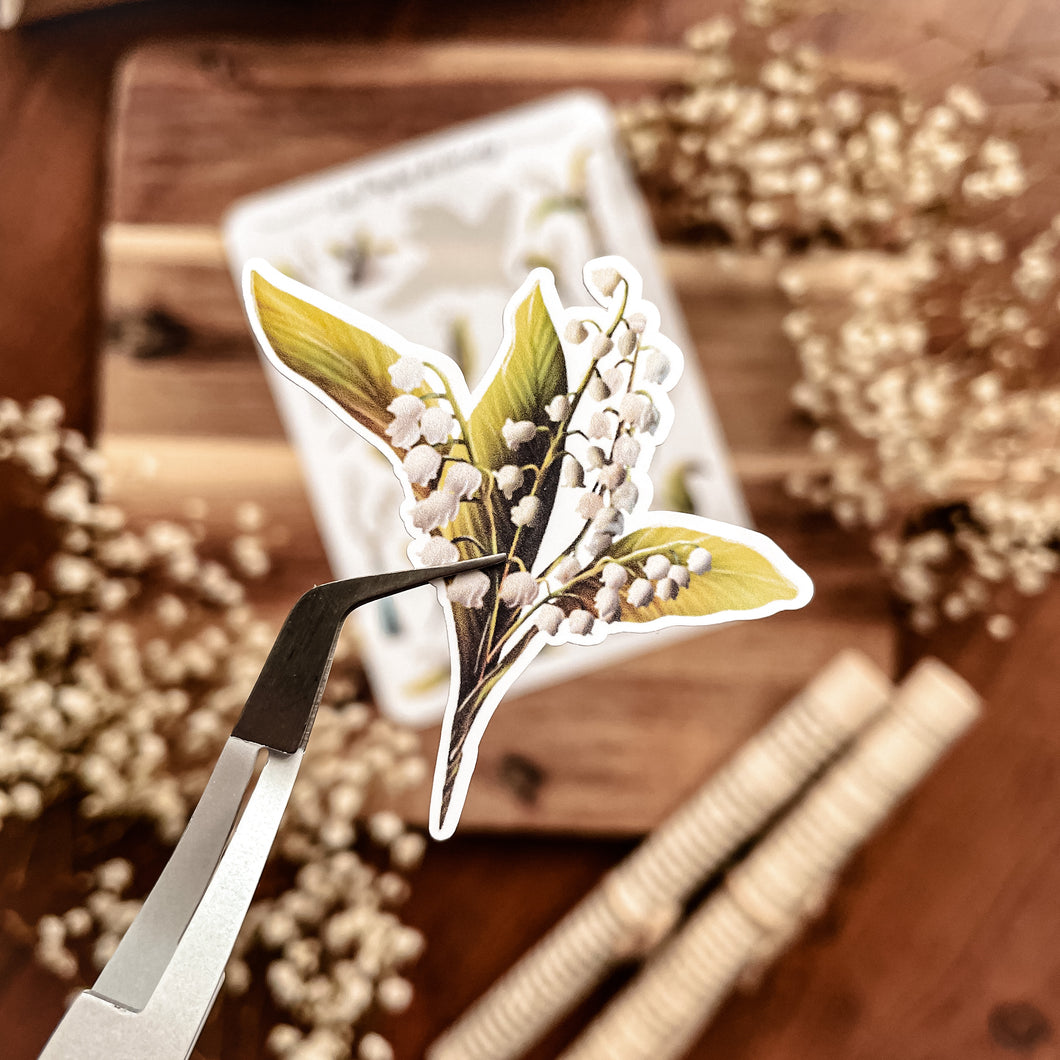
column 943, row 939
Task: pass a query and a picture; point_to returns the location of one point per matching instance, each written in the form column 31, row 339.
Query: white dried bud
column 665, row 589
column 626, row 450
column 567, row 569
column 558, row 407
column 657, row 566
column 602, row 345
column 627, row 343
column 612, row 476
column 614, row 575
column 575, row 332
column 526, row 511
column 518, row 433
column 509, row 479
column 436, row 510
column 468, row 589
column 637, row 322
column 394, row 993
column 589, row 504
column 436, row 424
column 439, row 551
column 548, row 618
column 605, row 280
column 374, row 1046
column 625, row 497
column 601, row 425
column 462, row 480
column 594, row 457
column 572, row 476
column 608, row 603
column 421, row 464
column 519, row 589
column 636, row 411
column 679, row 576
column 406, row 373
column 581, row 622
column 641, row 592
column 699, row 561
column 656, row 367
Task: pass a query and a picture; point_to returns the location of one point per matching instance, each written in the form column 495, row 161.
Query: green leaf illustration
column 740, row 577
column 345, row 362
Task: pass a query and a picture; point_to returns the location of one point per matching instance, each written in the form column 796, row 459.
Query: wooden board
column 200, row 124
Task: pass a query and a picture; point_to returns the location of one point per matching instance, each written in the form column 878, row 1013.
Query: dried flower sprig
column 546, row 462
column 935, row 390
column 767, row 146
column 129, row 655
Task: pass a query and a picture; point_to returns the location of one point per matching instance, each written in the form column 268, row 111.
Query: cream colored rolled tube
column 664, row 1010
column 641, row 896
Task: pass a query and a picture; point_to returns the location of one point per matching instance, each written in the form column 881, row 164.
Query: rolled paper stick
column 765, row 899
column 641, row 898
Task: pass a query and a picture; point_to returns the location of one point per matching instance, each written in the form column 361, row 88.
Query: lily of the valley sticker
column 546, row 462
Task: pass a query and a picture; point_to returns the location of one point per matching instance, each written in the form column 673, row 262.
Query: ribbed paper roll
column 639, row 900
column 765, row 898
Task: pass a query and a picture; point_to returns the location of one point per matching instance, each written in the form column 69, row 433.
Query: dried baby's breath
column 129, row 656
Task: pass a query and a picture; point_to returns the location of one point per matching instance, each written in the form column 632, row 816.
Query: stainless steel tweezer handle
column 153, row 996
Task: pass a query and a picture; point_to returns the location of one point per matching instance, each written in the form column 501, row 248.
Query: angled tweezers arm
column 155, row 993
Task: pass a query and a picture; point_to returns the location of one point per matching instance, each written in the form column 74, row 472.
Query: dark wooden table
column 944, row 938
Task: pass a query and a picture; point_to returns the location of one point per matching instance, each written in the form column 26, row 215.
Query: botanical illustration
column 546, row 463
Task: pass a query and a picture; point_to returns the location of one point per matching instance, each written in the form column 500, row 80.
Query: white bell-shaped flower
column 608, row 603
column 679, row 576
column 548, row 618
column 614, row 575
column 437, row 424
column 665, row 589
column 519, row 589
column 567, row 568
column 421, row 464
column 435, row 510
column 509, row 479
column 700, row 561
column 656, row 367
column 468, row 589
column 626, row 450
column 525, row 513
column 606, row 279
column 517, row 433
column 406, row 373
column 589, row 504
column 656, row 567
column 558, row 407
column 575, row 332
column 601, row 425
column 602, row 346
column 573, row 475
column 641, row 592
column 636, row 411
column 438, row 551
column 625, row 497
column 462, row 480
column 581, row 622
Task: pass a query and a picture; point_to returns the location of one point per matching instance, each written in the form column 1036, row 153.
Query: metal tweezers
column 153, row 996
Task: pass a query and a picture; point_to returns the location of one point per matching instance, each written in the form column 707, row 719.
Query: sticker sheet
column 432, row 238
